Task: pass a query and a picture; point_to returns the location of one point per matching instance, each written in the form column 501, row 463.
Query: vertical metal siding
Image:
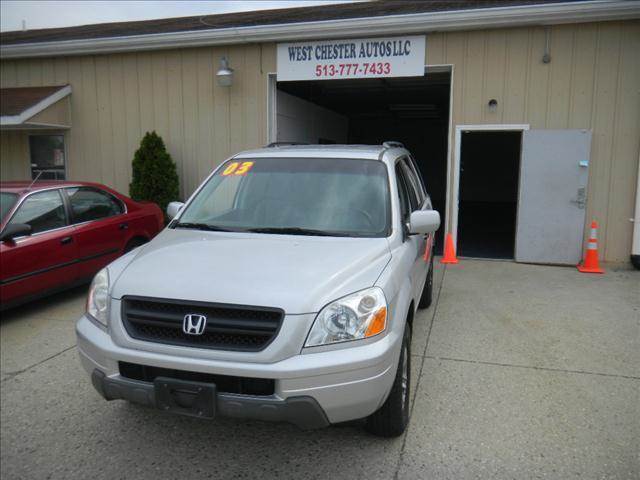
column 14, row 145
column 117, row 98
column 593, row 81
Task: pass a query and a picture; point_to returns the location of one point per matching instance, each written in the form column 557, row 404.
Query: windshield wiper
column 298, row 231
column 203, row 226
column 277, row 230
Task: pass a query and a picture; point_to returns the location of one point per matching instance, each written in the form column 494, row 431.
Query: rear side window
column 412, row 187
column 7, row 200
column 89, row 204
column 402, row 193
column 422, row 190
column 42, row 211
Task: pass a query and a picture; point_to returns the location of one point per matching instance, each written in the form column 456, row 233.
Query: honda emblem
column 194, row 324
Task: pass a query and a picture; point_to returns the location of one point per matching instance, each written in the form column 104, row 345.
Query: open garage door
column 411, row 110
column 553, row 193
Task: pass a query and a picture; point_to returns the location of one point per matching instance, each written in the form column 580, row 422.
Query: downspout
column 635, row 244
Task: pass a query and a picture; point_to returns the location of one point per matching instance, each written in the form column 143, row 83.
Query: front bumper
column 301, row 411
column 311, row 389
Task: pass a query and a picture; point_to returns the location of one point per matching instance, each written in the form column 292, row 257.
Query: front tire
column 392, row 418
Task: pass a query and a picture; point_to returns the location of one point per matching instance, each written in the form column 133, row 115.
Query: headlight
column 359, row 315
column 98, row 299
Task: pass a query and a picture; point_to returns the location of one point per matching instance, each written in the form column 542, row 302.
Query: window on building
column 42, row 211
column 91, row 204
column 47, row 157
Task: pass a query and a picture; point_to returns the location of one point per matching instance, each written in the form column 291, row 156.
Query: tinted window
column 43, row 211
column 422, row 191
column 402, row 193
column 412, row 187
column 334, row 196
column 90, row 204
column 47, row 157
column 6, row 202
column 220, row 200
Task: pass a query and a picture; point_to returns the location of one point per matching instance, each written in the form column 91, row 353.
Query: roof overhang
column 50, row 112
column 522, row 15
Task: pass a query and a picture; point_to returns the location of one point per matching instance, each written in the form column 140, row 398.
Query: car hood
column 299, row 274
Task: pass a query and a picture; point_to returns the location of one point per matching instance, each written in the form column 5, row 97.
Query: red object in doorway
column 449, row 251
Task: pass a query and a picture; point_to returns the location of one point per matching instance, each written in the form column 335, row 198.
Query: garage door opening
column 413, row 110
column 488, row 193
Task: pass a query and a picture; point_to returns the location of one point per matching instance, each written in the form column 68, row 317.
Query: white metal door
column 552, row 196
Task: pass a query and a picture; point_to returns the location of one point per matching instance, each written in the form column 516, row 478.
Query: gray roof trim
column 522, row 15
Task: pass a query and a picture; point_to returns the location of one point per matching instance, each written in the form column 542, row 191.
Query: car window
column 338, row 197
column 422, row 190
column 7, row 200
column 42, row 211
column 403, row 195
column 412, row 187
column 92, row 204
column 218, row 201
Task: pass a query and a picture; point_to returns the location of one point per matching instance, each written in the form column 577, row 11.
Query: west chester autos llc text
column 392, row 57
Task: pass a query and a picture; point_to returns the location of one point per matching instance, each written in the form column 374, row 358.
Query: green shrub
column 155, row 177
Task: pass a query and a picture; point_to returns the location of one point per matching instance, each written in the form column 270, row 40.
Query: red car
column 55, row 235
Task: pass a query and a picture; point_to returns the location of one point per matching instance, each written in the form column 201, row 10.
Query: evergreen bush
column 155, row 177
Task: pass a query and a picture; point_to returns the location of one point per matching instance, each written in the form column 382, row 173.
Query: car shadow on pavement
column 235, row 448
column 44, row 307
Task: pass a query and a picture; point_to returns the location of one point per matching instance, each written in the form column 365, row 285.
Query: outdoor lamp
column 225, row 74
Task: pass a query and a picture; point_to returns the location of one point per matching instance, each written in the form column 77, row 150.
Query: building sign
column 357, row 58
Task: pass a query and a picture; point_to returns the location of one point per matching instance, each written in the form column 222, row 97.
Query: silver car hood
column 299, row 274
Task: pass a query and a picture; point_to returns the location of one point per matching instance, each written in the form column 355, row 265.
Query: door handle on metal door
column 123, row 226
column 66, row 240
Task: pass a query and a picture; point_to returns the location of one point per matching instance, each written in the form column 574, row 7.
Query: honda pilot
column 284, row 289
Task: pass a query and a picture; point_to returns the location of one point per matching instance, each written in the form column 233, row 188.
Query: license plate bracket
column 194, row 399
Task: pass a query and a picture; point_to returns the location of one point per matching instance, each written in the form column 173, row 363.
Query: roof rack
column 392, row 144
column 281, row 144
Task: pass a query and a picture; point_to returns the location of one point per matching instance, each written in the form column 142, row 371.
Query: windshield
column 305, row 196
column 6, row 202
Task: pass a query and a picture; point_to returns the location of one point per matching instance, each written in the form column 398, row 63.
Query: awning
column 35, row 108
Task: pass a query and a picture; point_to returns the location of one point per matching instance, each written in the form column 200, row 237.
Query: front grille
column 224, row 383
column 228, row 327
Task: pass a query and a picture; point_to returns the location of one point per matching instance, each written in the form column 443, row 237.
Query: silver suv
column 284, row 289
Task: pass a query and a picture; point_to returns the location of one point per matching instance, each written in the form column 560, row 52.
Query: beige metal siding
column 593, row 82
column 117, row 98
column 14, row 156
column 58, row 114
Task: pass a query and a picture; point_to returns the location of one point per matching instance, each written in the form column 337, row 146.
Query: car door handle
column 123, row 226
column 66, row 240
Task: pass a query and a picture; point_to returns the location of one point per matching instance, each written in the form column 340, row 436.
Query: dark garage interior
column 414, row 111
column 488, row 196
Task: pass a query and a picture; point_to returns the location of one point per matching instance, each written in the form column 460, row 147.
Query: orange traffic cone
column 449, row 251
column 590, row 263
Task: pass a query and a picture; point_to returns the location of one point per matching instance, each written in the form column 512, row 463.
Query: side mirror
column 173, row 208
column 423, row 222
column 14, row 230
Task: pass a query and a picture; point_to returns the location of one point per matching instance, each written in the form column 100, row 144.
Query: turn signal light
column 378, row 323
